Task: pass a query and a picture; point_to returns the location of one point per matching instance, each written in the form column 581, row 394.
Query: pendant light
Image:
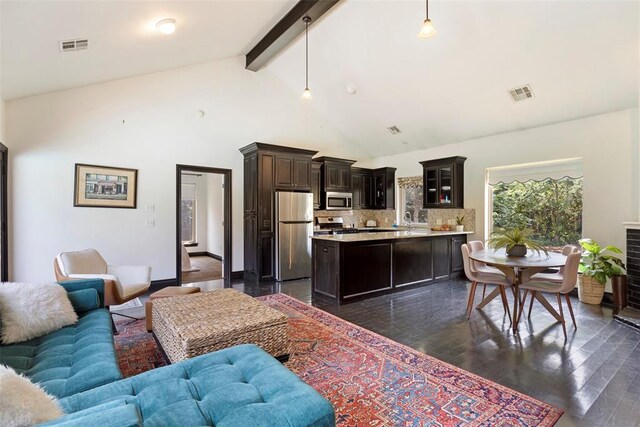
column 306, row 95
column 427, row 30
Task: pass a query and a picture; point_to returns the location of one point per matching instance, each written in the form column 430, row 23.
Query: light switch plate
column 150, row 223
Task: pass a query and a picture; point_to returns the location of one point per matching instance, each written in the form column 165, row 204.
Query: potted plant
column 597, row 264
column 515, row 241
column 460, row 223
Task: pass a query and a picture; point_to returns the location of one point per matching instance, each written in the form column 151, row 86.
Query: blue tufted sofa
column 76, row 358
column 238, row 386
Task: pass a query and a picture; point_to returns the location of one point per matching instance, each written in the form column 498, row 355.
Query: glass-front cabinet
column 443, row 181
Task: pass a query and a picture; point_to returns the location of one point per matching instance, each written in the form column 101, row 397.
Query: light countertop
column 387, row 235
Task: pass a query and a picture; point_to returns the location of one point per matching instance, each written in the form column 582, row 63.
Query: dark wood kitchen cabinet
column 268, row 168
column 316, row 187
column 293, row 173
column 457, row 266
column 443, row 182
column 335, row 174
column 346, row 270
column 384, row 188
column 362, row 188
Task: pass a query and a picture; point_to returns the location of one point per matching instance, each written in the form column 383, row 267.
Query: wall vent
column 393, row 130
column 73, row 45
column 521, row 93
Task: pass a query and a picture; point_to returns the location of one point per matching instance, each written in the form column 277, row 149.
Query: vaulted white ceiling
column 123, row 40
column 581, row 58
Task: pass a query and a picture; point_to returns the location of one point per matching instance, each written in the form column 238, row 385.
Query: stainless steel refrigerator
column 294, row 228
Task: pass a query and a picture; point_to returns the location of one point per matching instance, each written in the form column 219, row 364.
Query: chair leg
column 573, row 319
column 472, row 294
column 505, row 303
column 564, row 327
column 526, row 292
column 533, row 296
column 484, row 289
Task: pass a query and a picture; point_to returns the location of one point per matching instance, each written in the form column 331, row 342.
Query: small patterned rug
column 369, row 379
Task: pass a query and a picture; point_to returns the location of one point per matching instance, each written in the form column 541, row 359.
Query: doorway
column 203, row 226
column 4, row 229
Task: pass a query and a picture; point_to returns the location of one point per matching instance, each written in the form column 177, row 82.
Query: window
column 410, row 191
column 546, row 197
column 188, row 214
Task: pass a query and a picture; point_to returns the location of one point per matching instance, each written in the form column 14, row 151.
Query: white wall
column 608, row 144
column 2, row 104
column 215, row 214
column 149, row 123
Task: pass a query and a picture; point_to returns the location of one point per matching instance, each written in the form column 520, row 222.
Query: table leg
column 516, row 303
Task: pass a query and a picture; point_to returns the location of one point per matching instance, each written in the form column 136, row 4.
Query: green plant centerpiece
column 597, row 264
column 460, row 220
column 515, row 241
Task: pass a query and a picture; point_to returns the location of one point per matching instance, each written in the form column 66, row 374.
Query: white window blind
column 556, row 169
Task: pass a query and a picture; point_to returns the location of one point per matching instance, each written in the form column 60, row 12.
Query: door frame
column 226, row 195
column 4, row 219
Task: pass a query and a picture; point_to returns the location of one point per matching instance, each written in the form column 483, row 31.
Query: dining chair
column 556, row 277
column 481, row 267
column 569, row 278
column 478, row 276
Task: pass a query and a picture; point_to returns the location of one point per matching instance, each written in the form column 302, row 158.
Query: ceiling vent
column 73, row 45
column 521, row 93
column 393, row 130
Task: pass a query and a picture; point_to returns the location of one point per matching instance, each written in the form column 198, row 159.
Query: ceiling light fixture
column 427, row 30
column 306, row 95
column 166, row 26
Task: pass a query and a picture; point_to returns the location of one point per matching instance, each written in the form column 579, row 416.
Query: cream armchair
column 122, row 282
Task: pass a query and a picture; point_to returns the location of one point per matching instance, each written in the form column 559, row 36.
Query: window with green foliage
column 552, row 208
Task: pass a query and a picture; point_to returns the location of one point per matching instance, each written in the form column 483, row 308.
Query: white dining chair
column 538, row 288
column 477, row 276
column 481, row 267
column 556, row 277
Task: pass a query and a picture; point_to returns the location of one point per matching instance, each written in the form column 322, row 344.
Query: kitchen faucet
column 407, row 219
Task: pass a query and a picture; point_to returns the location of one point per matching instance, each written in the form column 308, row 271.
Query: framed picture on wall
column 105, row 187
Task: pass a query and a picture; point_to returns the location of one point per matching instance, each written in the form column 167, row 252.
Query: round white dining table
column 513, row 267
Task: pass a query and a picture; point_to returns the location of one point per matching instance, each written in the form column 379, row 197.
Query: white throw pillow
column 31, row 310
column 23, row 403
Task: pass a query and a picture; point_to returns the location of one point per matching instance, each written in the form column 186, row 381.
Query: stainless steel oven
column 337, row 201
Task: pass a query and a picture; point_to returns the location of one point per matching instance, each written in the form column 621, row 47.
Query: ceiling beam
column 285, row 31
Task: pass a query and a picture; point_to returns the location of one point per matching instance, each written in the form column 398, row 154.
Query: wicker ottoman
column 168, row 292
column 191, row 325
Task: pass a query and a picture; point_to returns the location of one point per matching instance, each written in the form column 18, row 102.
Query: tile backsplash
column 446, row 215
column 387, row 217
column 384, row 217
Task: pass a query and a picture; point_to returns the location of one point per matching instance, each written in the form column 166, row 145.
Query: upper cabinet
column 335, row 174
column 362, row 188
column 316, row 186
column 384, row 188
column 443, row 182
column 293, row 172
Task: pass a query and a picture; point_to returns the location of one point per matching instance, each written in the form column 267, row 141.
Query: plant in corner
column 597, row 264
column 460, row 223
column 515, row 241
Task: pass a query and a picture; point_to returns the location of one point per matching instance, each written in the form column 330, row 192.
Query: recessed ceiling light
column 166, row 26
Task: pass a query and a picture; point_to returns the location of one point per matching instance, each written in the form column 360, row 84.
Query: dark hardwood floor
column 594, row 376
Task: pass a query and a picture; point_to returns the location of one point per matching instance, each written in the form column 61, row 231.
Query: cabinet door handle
column 325, row 250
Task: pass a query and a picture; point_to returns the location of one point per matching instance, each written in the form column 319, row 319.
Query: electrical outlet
column 149, row 223
column 150, row 207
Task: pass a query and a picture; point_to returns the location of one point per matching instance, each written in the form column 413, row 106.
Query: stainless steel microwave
column 337, row 201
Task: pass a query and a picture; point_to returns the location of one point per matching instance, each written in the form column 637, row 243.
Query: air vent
column 393, row 130
column 73, row 45
column 521, row 93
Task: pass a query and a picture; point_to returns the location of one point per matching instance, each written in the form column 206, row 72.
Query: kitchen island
column 350, row 267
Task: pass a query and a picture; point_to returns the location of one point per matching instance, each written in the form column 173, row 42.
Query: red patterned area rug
column 373, row 381
column 137, row 350
column 369, row 379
